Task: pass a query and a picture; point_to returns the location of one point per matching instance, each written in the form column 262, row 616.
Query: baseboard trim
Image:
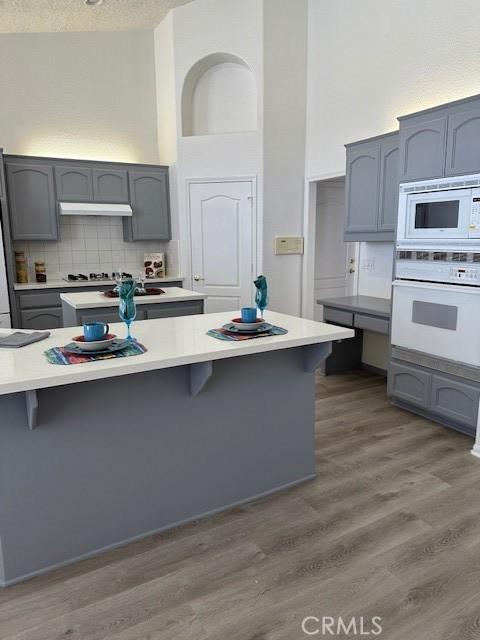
column 476, row 450
column 433, row 417
column 90, row 554
column 373, row 369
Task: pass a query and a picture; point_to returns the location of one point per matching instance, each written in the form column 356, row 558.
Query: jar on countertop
column 21, row 267
column 40, row 272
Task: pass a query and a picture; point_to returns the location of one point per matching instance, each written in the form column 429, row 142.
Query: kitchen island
column 98, row 454
column 91, row 306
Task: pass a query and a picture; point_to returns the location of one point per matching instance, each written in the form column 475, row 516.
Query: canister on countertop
column 21, row 267
column 40, row 272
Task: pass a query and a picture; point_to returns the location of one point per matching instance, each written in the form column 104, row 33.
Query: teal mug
column 93, row 331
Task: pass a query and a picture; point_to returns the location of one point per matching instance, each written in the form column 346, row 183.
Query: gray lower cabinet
column 149, row 197
column 108, row 315
column 410, row 384
column 42, row 318
column 455, row 400
column 42, row 308
column 73, row 183
column 463, row 148
column 371, row 200
column 31, row 194
column 449, row 399
column 110, row 186
column 75, row 317
column 174, row 309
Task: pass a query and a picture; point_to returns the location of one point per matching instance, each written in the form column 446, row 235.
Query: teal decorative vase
column 261, row 294
column 126, row 305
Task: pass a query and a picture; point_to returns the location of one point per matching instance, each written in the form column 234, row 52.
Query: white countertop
column 170, row 342
column 96, row 299
column 64, row 284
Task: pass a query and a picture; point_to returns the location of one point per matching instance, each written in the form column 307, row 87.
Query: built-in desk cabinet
column 442, row 141
column 372, row 189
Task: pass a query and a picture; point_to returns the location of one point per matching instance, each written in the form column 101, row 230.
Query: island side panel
column 114, row 460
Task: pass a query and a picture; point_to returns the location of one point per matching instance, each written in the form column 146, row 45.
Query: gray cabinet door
column 110, row 186
column 151, row 208
column 44, row 318
column 107, row 314
column 74, row 184
column 422, row 149
column 455, row 399
column 174, row 309
column 362, row 188
column 463, row 143
column 388, row 197
column 409, row 384
column 33, row 209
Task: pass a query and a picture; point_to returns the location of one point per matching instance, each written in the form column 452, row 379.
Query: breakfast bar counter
column 91, row 306
column 98, row 454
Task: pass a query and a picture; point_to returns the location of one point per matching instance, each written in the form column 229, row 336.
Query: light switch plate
column 285, row 245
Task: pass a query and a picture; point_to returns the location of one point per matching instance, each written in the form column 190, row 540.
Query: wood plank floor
column 389, row 528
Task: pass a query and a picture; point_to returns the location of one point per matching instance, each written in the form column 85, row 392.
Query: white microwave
column 432, row 212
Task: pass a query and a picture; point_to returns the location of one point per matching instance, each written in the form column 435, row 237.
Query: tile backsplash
column 93, row 244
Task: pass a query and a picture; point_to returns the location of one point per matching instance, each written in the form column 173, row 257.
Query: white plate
column 247, row 326
column 94, row 345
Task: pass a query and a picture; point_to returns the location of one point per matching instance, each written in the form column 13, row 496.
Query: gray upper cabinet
column 388, row 197
column 422, row 149
column 74, row 183
column 149, row 198
column 372, row 189
column 31, row 195
column 362, row 188
column 463, row 147
column 110, row 185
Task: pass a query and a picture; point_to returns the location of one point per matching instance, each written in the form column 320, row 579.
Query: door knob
column 351, row 271
column 198, row 278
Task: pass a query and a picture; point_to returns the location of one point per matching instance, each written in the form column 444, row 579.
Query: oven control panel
column 466, row 273
column 470, row 275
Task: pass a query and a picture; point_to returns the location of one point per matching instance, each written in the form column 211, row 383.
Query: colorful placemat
column 57, row 355
column 223, row 334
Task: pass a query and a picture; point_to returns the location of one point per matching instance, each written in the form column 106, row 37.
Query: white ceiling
column 21, row 16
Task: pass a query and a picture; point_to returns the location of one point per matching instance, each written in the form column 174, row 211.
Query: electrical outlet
column 368, row 264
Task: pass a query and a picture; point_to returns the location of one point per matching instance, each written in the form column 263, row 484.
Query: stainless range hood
column 94, row 209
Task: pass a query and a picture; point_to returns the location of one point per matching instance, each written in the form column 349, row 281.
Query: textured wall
column 85, row 95
column 285, row 55
column 372, row 60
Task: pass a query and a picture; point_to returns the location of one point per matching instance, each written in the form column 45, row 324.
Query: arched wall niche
column 219, row 96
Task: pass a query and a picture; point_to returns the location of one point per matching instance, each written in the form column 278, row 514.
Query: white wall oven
column 436, row 288
column 438, row 319
column 439, row 214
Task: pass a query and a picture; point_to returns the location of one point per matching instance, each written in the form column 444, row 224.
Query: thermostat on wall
column 288, row 245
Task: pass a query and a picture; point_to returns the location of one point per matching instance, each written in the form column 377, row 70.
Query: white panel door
column 221, row 230
column 334, row 259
